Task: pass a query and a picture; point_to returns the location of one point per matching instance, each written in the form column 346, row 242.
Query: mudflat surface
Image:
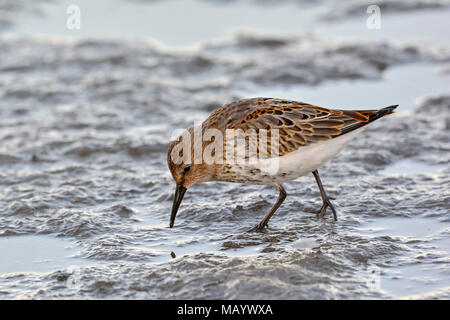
column 85, row 119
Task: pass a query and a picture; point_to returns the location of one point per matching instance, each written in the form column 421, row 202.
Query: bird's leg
column 266, row 219
column 326, row 200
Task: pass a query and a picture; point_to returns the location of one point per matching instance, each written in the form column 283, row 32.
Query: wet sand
column 85, row 193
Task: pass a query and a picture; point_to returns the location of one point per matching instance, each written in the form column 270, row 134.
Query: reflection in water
column 36, row 253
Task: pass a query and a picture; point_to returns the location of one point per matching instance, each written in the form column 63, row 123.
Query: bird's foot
column 327, row 203
column 258, row 228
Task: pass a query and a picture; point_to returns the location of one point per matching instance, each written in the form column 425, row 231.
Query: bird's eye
column 187, row 169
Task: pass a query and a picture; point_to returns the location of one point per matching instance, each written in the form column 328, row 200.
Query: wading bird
column 306, row 137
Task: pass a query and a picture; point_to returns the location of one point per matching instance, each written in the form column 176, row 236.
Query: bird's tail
column 382, row 112
column 370, row 115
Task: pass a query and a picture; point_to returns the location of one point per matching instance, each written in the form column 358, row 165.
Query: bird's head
column 184, row 171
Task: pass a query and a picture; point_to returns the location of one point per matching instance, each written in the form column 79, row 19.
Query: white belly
column 305, row 159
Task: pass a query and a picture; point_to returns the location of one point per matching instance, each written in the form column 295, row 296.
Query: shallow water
column 37, row 253
column 85, row 193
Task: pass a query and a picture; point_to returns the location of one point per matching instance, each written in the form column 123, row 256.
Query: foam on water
column 409, row 166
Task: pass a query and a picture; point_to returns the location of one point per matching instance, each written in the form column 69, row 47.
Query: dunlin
column 298, row 139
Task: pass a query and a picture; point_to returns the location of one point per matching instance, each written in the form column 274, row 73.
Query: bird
column 293, row 139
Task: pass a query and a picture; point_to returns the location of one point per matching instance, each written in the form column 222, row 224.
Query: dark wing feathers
column 299, row 123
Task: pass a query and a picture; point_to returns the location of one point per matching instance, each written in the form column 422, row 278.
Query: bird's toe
column 258, row 228
column 327, row 203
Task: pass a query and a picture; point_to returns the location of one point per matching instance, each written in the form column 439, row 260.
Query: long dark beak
column 179, row 193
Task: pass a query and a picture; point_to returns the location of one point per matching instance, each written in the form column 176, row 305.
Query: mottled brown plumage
column 300, row 123
column 305, row 133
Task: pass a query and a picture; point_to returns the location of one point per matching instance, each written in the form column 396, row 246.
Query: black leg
column 325, row 198
column 266, row 219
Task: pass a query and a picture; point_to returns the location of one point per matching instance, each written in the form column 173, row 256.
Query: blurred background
column 90, row 92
